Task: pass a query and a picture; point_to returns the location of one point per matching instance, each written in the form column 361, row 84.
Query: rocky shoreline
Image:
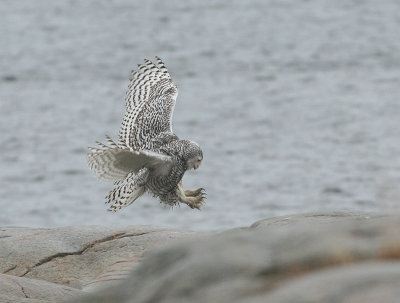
column 316, row 257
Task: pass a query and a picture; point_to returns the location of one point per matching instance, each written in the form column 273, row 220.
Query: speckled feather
column 150, row 101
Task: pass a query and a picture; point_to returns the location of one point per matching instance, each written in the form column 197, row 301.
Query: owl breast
column 162, row 184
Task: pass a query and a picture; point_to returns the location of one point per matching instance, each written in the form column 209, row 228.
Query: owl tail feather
column 126, row 193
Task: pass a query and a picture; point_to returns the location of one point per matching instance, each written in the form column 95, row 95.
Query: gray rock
column 318, row 217
column 16, row 289
column 360, row 283
column 81, row 257
column 270, row 258
column 321, row 257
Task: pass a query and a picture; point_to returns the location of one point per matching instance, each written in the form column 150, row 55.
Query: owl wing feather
column 114, row 163
column 150, row 102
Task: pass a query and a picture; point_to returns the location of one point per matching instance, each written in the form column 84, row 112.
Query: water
column 295, row 104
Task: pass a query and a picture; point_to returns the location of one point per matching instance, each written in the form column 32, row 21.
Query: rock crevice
column 79, row 252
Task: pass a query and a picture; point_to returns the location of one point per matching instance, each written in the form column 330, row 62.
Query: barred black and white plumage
column 148, row 156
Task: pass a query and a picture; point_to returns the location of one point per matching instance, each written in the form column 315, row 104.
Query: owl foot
column 192, row 198
column 194, row 202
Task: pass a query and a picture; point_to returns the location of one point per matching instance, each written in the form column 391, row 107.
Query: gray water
column 295, row 104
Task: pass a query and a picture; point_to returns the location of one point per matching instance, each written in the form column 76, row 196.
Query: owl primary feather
column 148, row 157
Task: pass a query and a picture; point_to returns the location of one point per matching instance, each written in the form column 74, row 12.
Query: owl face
column 192, row 154
column 194, row 163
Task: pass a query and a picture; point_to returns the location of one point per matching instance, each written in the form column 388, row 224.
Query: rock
column 81, row 257
column 276, row 260
column 321, row 257
column 16, row 289
column 360, row 283
column 320, row 218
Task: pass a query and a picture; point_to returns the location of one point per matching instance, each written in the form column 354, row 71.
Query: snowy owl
column 148, row 157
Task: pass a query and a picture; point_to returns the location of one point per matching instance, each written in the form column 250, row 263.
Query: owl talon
column 196, row 202
column 193, row 198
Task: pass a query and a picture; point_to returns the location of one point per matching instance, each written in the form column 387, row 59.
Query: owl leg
column 192, row 201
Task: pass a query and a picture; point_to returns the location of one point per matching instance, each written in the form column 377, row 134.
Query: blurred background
column 295, row 104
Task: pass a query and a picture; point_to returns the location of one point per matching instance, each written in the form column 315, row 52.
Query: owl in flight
column 148, row 156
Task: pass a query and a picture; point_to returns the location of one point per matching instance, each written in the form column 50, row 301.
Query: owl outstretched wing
column 150, row 102
column 114, row 163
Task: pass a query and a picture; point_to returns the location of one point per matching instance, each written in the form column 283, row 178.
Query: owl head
column 192, row 154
